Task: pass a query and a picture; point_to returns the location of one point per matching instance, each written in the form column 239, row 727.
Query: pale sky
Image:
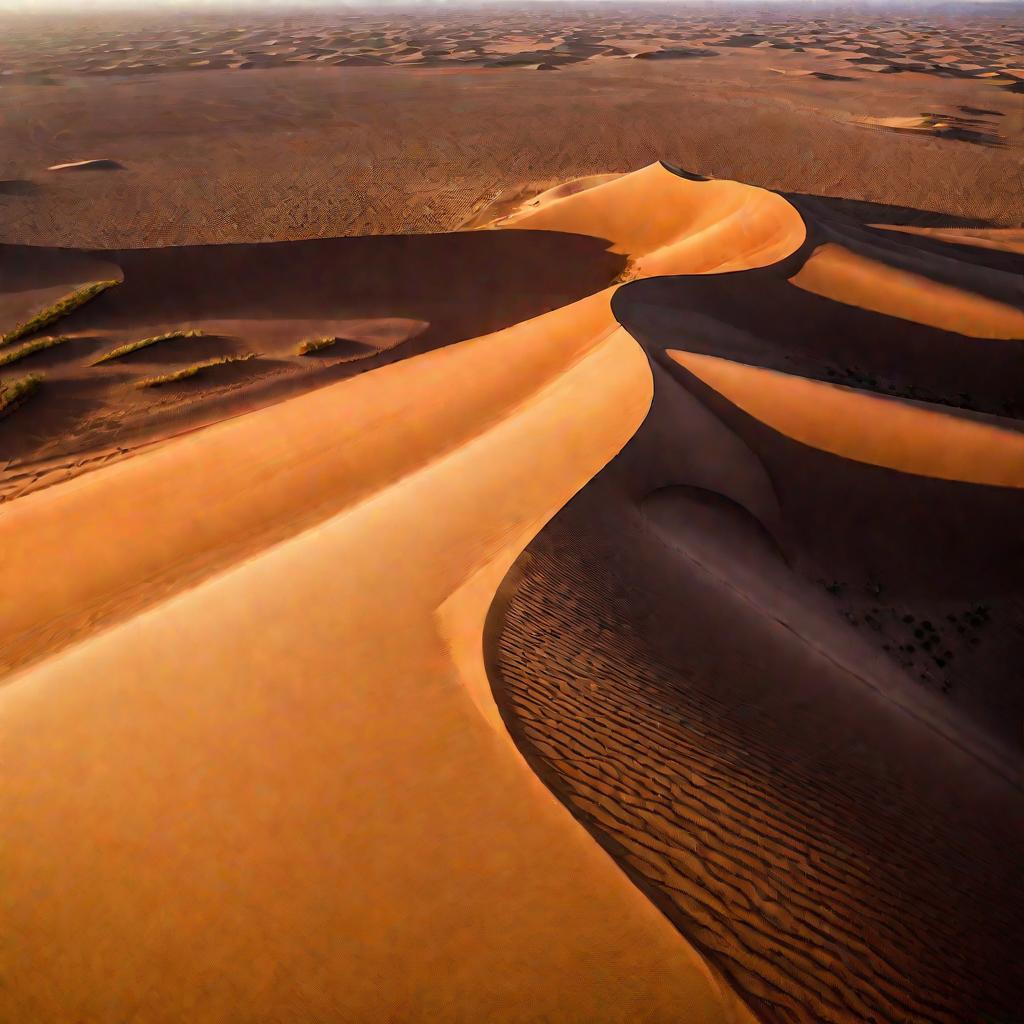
column 86, row 6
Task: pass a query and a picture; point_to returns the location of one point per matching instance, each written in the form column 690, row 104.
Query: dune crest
column 671, row 224
column 838, row 273
column 865, row 427
column 379, row 538
column 257, row 655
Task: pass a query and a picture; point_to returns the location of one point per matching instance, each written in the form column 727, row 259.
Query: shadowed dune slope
column 384, row 297
column 766, row 656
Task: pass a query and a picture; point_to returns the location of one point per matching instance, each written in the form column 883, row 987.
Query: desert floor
column 524, row 525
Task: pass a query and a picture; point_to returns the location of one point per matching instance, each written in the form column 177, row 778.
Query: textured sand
column 743, row 471
column 393, row 816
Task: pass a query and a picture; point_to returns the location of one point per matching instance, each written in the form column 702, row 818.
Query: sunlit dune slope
column 846, row 276
column 866, row 427
column 300, row 756
column 672, row 224
column 283, row 797
column 101, row 580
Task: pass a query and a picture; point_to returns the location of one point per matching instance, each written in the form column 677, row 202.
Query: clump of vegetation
column 630, row 272
column 311, row 345
column 134, row 346
column 30, row 347
column 16, row 392
column 61, row 308
column 190, row 371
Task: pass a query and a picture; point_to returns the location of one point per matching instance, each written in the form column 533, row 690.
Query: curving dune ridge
column 275, row 781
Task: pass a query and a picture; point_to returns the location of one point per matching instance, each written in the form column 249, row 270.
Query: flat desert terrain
column 512, row 514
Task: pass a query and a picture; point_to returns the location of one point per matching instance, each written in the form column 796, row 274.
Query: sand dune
column 99, row 164
column 378, row 761
column 867, row 428
column 763, row 656
column 999, row 239
column 276, row 780
column 375, row 756
column 845, row 276
column 667, row 222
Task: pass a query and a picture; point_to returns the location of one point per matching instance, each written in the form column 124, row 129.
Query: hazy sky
column 87, row 6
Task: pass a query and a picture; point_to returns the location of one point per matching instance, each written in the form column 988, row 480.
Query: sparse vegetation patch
column 30, row 347
column 16, row 392
column 61, row 308
column 190, row 371
column 311, row 345
column 134, row 346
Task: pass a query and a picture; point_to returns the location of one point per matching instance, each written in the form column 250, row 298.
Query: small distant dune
column 821, row 76
column 101, row 164
column 943, row 126
column 675, row 54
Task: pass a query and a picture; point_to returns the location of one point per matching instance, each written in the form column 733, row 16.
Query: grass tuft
column 190, row 371
column 134, row 346
column 61, row 308
column 30, row 347
column 15, row 392
column 311, row 345
column 630, row 272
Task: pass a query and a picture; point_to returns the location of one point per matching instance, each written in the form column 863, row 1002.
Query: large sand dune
column 253, row 764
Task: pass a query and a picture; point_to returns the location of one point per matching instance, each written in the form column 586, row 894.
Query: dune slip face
column 765, row 656
column 585, row 660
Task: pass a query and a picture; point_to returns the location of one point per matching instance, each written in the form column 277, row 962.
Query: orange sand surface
column 668, row 224
column 867, row 428
column 583, row 654
column 837, row 273
column 392, row 810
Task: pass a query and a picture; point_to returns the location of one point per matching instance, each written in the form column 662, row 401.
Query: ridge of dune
column 390, row 811
column 74, row 568
column 865, row 427
column 110, row 567
column 835, row 272
column 669, row 223
column 258, row 663
column 568, row 188
column 1000, row 239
